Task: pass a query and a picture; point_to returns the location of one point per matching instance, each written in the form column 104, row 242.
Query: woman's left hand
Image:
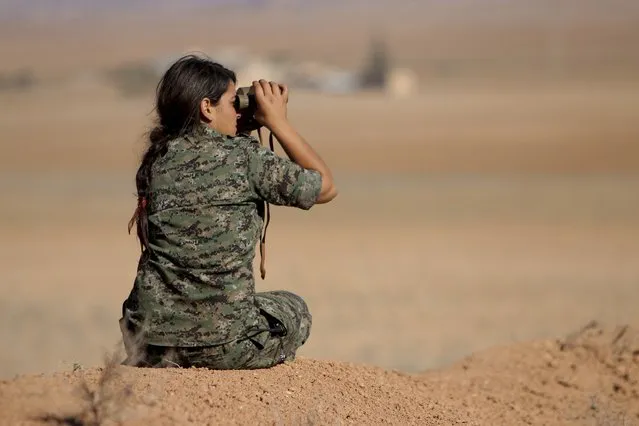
column 272, row 99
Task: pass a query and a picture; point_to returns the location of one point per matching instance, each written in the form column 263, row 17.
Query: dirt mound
column 305, row 391
column 589, row 377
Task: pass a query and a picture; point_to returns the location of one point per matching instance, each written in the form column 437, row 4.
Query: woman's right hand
column 271, row 99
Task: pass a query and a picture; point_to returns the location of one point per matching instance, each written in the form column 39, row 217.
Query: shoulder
column 245, row 142
column 251, row 149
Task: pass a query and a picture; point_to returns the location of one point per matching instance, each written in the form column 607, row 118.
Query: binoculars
column 246, row 105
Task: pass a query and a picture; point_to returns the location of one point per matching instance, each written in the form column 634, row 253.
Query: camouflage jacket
column 196, row 287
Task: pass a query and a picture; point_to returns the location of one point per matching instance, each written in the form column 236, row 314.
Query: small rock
column 622, row 372
column 547, row 358
column 149, row 400
column 624, row 358
column 565, row 383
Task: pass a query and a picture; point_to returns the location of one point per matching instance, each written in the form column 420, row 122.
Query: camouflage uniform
column 193, row 301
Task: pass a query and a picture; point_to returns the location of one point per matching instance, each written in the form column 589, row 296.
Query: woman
column 200, row 191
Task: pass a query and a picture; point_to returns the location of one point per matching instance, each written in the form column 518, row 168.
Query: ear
column 207, row 109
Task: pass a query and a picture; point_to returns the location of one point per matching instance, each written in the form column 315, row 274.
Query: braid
column 159, row 139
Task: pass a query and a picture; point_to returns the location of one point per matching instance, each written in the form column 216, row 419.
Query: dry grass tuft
column 100, row 403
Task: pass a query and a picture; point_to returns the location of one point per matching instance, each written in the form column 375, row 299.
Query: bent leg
column 285, row 313
column 289, row 310
column 289, row 320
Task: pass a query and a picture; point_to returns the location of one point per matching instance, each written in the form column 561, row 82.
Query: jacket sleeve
column 280, row 181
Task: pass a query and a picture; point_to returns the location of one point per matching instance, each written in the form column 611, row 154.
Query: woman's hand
column 271, row 101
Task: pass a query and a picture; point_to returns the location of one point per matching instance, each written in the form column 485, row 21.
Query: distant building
column 401, row 82
column 339, row 82
column 309, row 75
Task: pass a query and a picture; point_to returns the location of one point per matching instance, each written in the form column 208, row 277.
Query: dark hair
column 178, row 95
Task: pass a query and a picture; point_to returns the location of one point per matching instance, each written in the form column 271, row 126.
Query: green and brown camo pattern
column 196, row 286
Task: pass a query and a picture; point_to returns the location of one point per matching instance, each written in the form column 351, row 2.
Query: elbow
column 332, row 193
column 327, row 194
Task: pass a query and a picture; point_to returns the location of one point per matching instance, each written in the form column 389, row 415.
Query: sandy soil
column 588, row 377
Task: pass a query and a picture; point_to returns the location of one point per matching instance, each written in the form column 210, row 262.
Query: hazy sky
column 14, row 9
column 470, row 9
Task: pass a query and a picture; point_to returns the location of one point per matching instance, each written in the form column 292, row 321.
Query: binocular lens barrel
column 244, row 98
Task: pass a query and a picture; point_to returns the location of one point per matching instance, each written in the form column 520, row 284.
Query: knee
column 302, row 311
column 306, row 322
column 304, row 318
column 291, row 310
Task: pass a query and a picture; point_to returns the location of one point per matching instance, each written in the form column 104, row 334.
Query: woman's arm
column 272, row 99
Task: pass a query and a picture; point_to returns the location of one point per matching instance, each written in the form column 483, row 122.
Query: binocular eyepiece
column 245, row 100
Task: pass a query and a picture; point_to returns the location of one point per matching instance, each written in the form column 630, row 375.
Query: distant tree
column 376, row 70
column 17, row 80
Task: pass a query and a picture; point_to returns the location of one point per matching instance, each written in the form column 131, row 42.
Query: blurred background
column 486, row 153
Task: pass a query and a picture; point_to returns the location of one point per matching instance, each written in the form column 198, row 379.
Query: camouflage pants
column 284, row 313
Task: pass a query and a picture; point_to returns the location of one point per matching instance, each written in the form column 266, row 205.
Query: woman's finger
column 259, row 91
column 284, row 89
column 275, row 88
column 268, row 91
